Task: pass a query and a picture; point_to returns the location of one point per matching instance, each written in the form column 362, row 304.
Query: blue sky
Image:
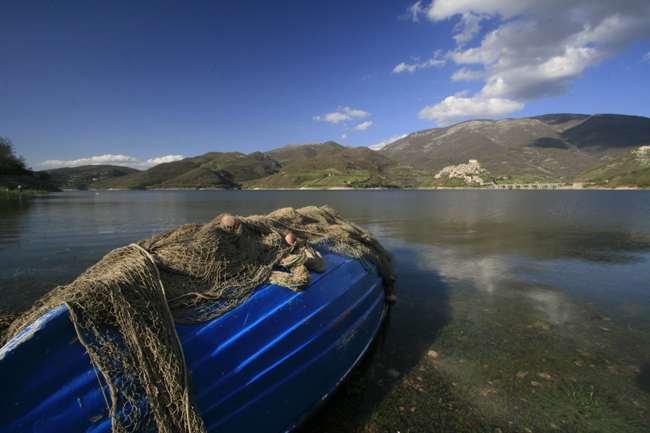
column 137, row 83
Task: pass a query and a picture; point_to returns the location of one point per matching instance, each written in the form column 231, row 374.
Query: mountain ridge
column 548, row 147
column 552, row 147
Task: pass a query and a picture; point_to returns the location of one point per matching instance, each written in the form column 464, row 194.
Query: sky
column 140, row 83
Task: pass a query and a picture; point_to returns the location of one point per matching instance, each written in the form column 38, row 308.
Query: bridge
column 526, row 186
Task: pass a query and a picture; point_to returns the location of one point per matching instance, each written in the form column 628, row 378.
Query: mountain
column 552, row 147
column 82, row 177
column 630, row 169
column 297, row 152
column 213, row 170
column 355, row 167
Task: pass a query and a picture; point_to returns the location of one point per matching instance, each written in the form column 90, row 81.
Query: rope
column 173, row 326
column 291, row 262
column 285, row 284
column 84, row 343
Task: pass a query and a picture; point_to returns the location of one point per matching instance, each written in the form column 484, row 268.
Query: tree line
column 9, row 162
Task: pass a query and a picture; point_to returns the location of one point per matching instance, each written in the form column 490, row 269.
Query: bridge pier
column 526, row 186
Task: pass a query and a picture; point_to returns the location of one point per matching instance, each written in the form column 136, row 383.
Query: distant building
column 643, row 149
column 470, row 172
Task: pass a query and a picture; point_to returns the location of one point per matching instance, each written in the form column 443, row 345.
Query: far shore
column 343, row 188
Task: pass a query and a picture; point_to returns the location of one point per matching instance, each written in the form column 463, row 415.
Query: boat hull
column 266, row 366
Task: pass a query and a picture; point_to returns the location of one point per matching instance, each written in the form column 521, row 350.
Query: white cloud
column 411, row 68
column 387, row 142
column 469, row 26
column 161, row 159
column 467, row 74
column 443, row 9
column 646, row 57
column 342, row 114
column 344, row 136
column 413, row 12
column 333, row 117
column 120, row 160
column 537, row 48
column 363, row 126
column 456, row 108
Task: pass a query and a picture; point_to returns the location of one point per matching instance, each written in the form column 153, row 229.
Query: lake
column 519, row 311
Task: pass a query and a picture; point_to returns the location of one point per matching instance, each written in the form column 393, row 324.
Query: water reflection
column 556, row 239
column 485, row 273
column 12, row 222
column 529, row 339
column 557, row 308
column 559, row 238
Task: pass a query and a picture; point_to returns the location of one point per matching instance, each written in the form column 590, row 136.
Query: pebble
column 433, row 353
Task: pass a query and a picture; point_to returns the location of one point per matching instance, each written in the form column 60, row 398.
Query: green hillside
column 357, row 167
column 213, row 170
column 82, row 177
column 151, row 177
column 630, row 169
column 237, row 167
column 297, row 152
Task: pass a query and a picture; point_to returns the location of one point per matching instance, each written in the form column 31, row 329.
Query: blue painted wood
column 263, row 367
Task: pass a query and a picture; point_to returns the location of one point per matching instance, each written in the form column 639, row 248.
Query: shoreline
column 510, row 187
column 565, row 188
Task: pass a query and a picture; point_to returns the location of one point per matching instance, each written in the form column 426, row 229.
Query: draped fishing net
column 124, row 307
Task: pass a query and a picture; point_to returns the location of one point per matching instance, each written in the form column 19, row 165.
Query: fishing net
column 124, row 307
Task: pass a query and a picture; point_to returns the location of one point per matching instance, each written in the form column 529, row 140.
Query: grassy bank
column 23, row 192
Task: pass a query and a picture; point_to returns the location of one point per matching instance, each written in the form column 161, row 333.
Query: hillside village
column 471, row 173
column 641, row 153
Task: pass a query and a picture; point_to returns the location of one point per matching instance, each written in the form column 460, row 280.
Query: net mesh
column 124, row 307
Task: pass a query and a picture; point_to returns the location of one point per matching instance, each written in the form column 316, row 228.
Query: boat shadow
column 402, row 346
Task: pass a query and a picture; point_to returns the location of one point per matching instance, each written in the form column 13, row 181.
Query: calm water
column 517, row 310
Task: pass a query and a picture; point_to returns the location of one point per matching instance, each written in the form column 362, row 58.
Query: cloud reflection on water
column 485, row 273
column 556, row 306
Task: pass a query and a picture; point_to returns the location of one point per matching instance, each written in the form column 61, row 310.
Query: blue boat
column 265, row 366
